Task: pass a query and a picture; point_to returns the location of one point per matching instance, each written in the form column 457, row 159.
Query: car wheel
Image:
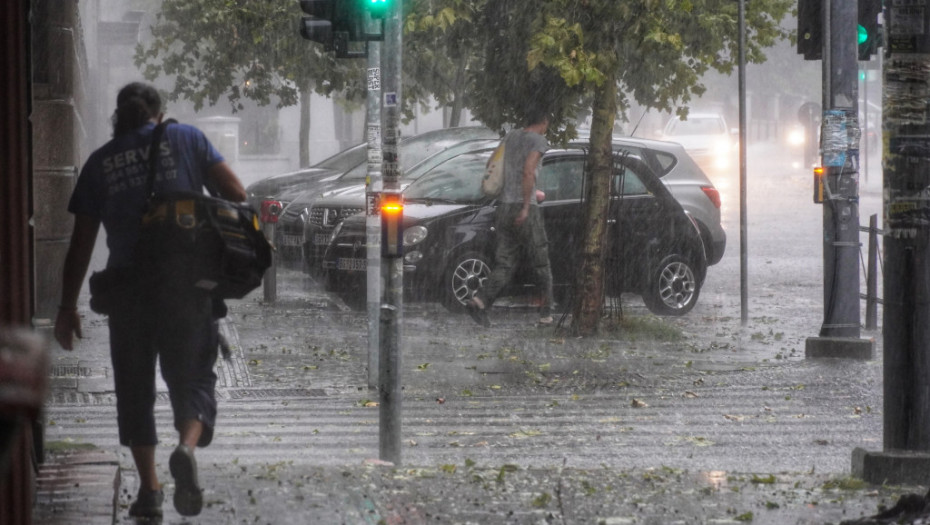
column 467, row 273
column 673, row 288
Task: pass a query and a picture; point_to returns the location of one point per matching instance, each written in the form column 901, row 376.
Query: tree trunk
column 304, row 134
column 589, row 283
column 458, row 95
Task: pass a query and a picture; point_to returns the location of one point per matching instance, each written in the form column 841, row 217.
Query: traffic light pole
column 373, row 188
column 839, row 333
column 906, row 311
column 392, row 307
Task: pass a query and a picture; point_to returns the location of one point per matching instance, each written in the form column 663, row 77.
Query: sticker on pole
column 374, row 79
column 390, row 99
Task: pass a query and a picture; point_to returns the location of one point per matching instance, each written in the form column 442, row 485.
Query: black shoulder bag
column 222, row 240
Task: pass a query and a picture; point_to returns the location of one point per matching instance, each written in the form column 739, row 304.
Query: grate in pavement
column 270, row 393
column 69, row 370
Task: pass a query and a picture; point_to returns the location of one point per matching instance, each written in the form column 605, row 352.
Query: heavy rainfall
column 693, row 400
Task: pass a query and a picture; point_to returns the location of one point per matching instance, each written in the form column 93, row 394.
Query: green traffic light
column 378, row 8
column 862, row 35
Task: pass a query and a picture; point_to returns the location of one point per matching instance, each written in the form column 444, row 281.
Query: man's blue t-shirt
column 111, row 186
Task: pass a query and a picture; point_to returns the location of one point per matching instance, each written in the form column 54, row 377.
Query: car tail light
column 270, row 211
column 712, row 194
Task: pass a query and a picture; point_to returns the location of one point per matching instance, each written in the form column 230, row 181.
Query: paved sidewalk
column 510, row 425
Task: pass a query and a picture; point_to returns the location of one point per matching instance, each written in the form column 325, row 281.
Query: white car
column 706, row 138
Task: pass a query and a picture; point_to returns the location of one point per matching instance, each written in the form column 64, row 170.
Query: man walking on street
column 152, row 317
column 518, row 222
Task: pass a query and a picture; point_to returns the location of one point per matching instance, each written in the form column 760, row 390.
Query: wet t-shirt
column 518, row 144
column 111, row 186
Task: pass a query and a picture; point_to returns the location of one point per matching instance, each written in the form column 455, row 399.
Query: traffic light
column 319, row 25
column 818, row 184
column 392, row 225
column 869, row 32
column 810, row 29
column 336, row 23
column 378, row 8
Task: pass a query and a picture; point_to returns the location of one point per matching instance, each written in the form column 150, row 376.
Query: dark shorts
column 175, row 325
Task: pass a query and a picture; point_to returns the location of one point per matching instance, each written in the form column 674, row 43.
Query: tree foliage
column 243, row 49
column 440, row 49
column 240, row 49
column 567, row 53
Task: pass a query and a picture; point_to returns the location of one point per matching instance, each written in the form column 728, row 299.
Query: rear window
column 665, row 161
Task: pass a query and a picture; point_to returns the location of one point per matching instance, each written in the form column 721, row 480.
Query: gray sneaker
column 147, row 504
column 188, row 498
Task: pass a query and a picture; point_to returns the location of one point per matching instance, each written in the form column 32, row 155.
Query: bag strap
column 153, row 156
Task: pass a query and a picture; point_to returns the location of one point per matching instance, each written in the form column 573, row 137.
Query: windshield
column 346, row 159
column 457, row 180
column 416, row 149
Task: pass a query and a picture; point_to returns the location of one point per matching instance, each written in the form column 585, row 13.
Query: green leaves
column 215, row 49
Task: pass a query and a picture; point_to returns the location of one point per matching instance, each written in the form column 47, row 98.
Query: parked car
column 653, row 247
column 680, row 174
column 306, row 225
column 342, row 173
column 285, row 186
column 706, row 138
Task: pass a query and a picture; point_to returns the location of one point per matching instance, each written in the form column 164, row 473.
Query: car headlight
column 722, row 146
column 796, row 136
column 415, row 235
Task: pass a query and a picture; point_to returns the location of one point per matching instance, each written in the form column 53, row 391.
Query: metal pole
column 906, row 295
column 373, row 219
column 841, row 163
column 839, row 148
column 743, row 229
column 389, row 387
column 864, row 146
column 871, row 285
column 270, row 279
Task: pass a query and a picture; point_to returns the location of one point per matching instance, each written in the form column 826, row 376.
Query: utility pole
column 373, row 188
column 839, row 333
column 392, row 262
column 743, row 223
column 906, row 331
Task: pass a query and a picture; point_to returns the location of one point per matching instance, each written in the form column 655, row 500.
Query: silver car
column 688, row 184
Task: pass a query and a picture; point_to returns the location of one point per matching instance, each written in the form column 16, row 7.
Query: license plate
column 352, row 264
column 321, row 239
column 292, row 240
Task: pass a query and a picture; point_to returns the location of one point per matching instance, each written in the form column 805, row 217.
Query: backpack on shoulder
column 493, row 181
column 222, row 241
